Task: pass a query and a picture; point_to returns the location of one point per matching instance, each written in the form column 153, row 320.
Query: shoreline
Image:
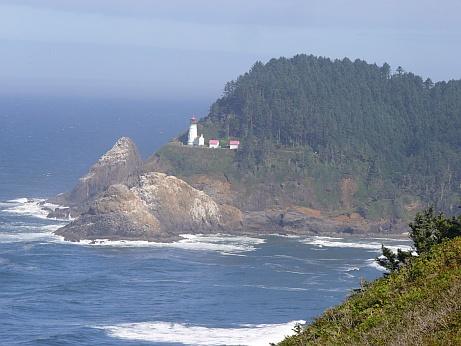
column 38, row 207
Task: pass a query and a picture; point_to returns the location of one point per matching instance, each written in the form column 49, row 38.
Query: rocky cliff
column 123, row 198
column 122, row 164
column 117, row 214
column 114, row 201
column 179, row 206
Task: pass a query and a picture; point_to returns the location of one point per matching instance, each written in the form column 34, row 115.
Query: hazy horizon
column 184, row 50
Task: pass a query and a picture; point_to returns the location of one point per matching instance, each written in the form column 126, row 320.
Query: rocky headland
column 124, row 198
column 117, row 200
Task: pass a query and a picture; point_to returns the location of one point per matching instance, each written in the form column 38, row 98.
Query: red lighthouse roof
column 193, row 120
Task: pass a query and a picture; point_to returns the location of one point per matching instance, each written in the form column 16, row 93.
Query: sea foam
column 224, row 244
column 18, row 200
column 17, row 237
column 254, row 335
column 34, row 207
column 374, row 264
column 359, row 244
column 38, row 231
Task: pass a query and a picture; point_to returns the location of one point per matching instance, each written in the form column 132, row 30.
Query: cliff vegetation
column 417, row 303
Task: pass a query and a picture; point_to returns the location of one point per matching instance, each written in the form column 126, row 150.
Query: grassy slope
column 185, row 161
column 419, row 305
column 311, row 184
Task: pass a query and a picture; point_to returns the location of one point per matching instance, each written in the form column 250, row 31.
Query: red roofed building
column 234, row 145
column 213, row 143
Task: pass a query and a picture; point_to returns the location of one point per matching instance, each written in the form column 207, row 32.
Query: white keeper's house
column 214, row 143
column 234, row 145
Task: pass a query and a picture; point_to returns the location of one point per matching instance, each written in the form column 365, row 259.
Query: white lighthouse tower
column 192, row 131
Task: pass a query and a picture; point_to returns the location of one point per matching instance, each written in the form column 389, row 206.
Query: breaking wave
column 350, row 269
column 372, row 263
column 37, row 208
column 17, row 237
column 278, row 288
column 33, row 207
column 29, row 231
column 18, row 200
column 224, row 244
column 247, row 334
column 359, row 244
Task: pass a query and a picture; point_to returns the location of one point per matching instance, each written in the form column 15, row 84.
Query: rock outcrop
column 296, row 221
column 176, row 203
column 117, row 214
column 120, row 203
column 120, row 165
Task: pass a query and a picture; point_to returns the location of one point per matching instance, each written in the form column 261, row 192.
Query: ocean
column 202, row 290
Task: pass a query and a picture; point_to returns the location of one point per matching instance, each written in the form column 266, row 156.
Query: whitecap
column 293, row 272
column 374, row 264
column 34, row 207
column 28, row 207
column 37, row 228
column 393, row 239
column 51, row 228
column 350, row 269
column 245, row 334
column 224, row 244
column 360, row 244
column 337, row 289
column 290, row 236
column 233, row 254
column 278, row 288
column 20, row 232
column 18, row 237
column 328, row 238
column 20, row 200
column 394, row 248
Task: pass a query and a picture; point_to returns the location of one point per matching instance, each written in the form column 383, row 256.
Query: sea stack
column 115, row 201
column 120, row 165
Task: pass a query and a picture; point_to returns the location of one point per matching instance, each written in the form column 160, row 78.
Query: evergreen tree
column 428, row 229
column 397, row 134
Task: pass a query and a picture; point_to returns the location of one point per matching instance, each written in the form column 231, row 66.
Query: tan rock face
column 175, row 203
column 119, row 199
column 117, row 214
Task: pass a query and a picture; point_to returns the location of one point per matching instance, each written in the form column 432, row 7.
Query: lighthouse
column 192, row 131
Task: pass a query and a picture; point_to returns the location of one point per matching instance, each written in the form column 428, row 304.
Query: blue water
column 202, row 291
column 46, row 144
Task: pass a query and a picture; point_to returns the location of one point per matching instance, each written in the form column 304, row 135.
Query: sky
column 184, row 49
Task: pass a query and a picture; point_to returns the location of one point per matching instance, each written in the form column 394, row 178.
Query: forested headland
column 339, row 135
